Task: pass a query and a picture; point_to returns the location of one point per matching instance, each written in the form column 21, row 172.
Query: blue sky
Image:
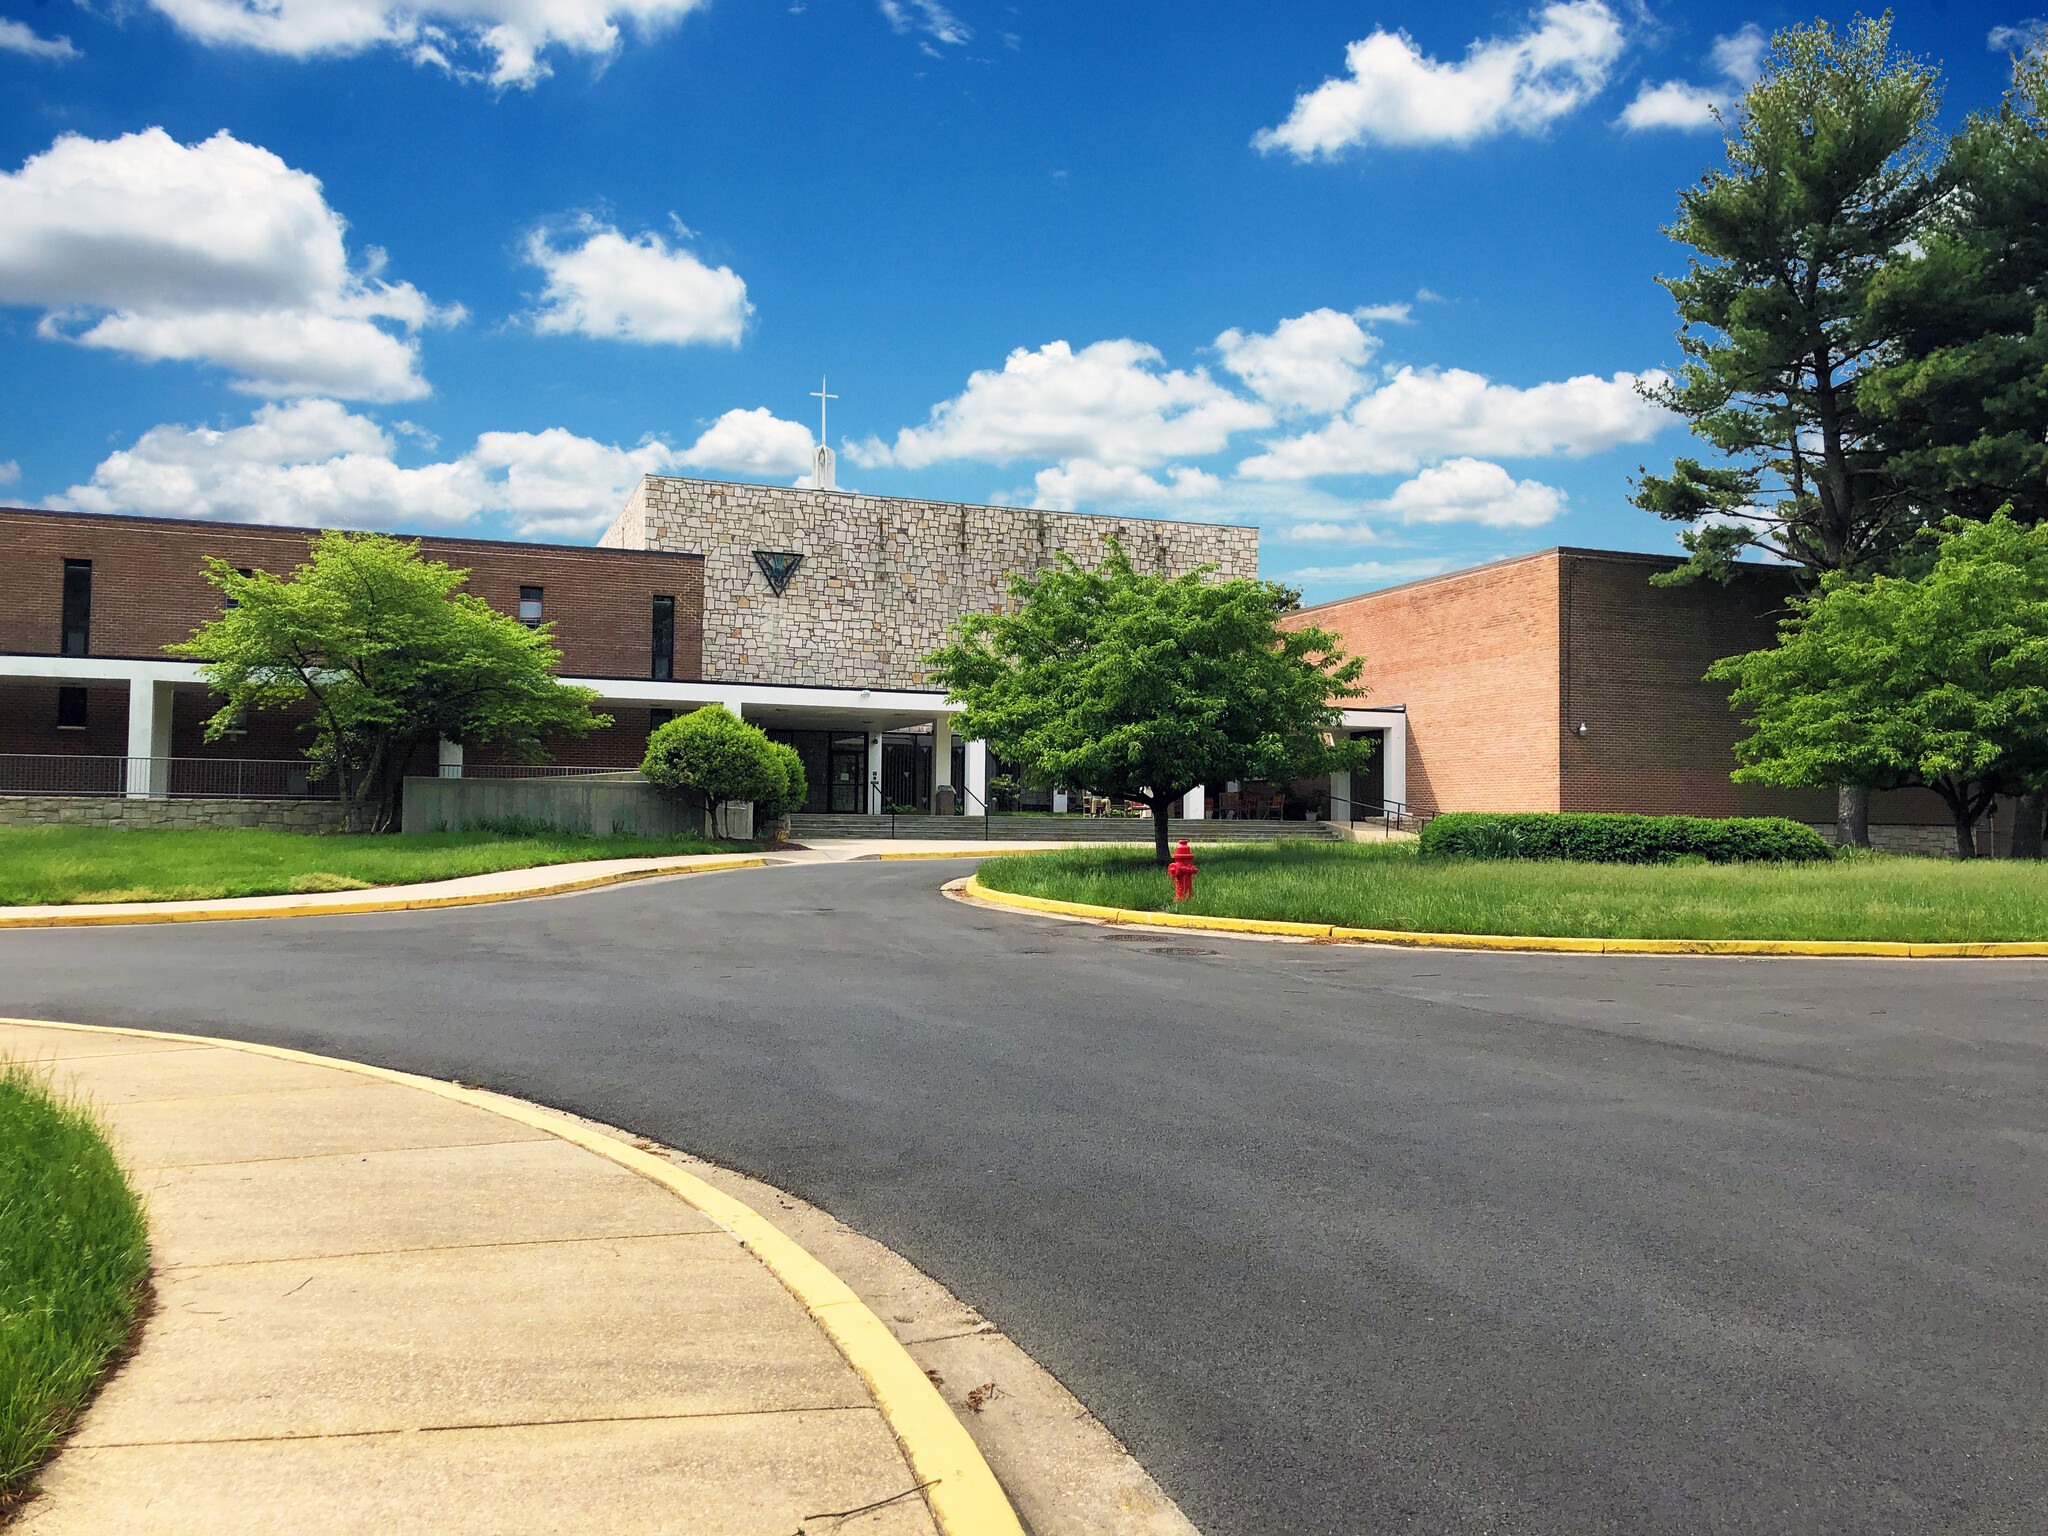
column 1377, row 278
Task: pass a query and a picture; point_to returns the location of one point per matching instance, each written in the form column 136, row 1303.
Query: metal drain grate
column 1180, row 949
column 1131, row 938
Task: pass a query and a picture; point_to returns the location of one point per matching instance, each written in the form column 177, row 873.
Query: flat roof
column 288, row 528
column 980, row 506
column 1633, row 556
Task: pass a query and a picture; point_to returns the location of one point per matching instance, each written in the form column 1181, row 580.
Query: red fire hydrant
column 1183, row 871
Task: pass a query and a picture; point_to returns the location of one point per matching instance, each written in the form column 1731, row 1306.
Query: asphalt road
column 1337, row 1240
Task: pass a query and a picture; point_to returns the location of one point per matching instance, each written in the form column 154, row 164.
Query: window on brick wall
column 71, row 709
column 664, row 637
column 530, row 604
column 657, row 718
column 229, row 602
column 77, row 623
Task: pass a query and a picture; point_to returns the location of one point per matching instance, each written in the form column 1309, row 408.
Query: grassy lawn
column 1368, row 885
column 73, row 1257
column 84, row 864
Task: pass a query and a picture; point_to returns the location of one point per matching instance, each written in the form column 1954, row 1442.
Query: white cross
column 822, row 397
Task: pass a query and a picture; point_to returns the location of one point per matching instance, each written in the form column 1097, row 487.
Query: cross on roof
column 822, row 397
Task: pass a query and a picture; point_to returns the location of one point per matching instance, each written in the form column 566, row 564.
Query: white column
column 1395, row 745
column 874, row 773
column 149, row 739
column 1340, row 795
column 977, row 777
column 451, row 759
column 942, row 761
column 1193, row 804
column 739, row 710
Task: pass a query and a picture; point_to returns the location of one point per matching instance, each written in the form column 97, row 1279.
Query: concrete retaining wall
column 1052, row 829
column 614, row 803
column 110, row 811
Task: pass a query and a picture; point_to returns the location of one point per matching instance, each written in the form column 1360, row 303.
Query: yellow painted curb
column 201, row 912
column 964, row 853
column 1818, row 948
column 965, row 1498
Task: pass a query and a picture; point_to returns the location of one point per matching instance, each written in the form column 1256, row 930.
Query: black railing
column 1392, row 814
column 159, row 778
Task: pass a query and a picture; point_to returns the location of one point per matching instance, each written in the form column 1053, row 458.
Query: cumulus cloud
column 755, row 442
column 10, row 472
column 509, row 37
column 215, row 252
column 313, row 462
column 1394, row 94
column 1111, row 402
column 1311, row 363
column 636, row 290
column 929, row 19
column 18, row 37
column 1079, row 482
column 1423, row 415
column 2009, row 39
column 1363, row 575
column 1737, row 59
column 1473, row 491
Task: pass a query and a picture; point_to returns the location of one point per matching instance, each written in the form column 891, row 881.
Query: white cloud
column 1319, row 532
column 1363, row 575
column 18, row 37
column 312, row 462
column 1110, row 402
column 1079, row 482
column 10, row 472
column 1396, row 95
column 755, row 442
column 1737, row 59
column 215, row 252
column 636, row 290
column 512, row 35
column 2010, row 39
column 1474, row 491
column 1309, row 364
column 1423, row 415
column 927, row 17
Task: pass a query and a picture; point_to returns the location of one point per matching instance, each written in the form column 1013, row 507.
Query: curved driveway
column 1336, row 1239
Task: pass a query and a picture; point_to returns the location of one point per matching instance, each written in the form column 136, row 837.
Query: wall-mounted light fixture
column 1582, row 727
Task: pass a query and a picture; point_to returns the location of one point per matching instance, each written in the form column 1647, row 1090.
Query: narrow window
column 71, row 709
column 77, row 606
column 664, row 637
column 232, row 602
column 529, row 605
column 657, row 718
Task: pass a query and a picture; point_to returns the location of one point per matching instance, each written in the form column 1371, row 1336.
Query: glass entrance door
column 850, row 773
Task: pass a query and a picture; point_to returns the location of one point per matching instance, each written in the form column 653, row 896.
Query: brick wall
column 149, row 587
column 883, row 578
column 1473, row 657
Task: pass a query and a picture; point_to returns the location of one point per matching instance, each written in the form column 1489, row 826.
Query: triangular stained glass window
column 779, row 566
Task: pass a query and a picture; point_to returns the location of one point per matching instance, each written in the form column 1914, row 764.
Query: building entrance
column 835, row 768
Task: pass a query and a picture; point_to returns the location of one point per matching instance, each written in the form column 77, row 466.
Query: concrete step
column 1050, row 829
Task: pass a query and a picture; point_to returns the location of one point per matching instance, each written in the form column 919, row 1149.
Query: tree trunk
column 1966, row 832
column 1852, row 816
column 2029, row 811
column 1161, row 810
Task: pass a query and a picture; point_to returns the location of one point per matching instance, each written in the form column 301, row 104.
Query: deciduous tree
column 391, row 655
column 1144, row 686
column 1939, row 681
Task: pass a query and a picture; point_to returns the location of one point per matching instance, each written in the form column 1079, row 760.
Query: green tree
column 1145, row 686
column 1827, row 180
column 796, row 785
column 1965, row 394
column 391, row 655
column 711, row 756
column 1940, row 681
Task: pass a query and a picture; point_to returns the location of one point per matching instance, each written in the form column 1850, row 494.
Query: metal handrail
column 1391, row 812
column 162, row 778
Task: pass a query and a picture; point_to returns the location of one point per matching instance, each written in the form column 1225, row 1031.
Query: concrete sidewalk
column 378, row 1310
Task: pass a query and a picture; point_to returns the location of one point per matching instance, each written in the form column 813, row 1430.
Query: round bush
column 710, row 756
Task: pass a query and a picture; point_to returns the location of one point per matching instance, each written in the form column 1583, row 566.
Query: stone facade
column 111, row 811
column 882, row 579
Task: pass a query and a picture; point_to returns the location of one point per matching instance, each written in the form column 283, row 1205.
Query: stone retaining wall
column 1933, row 842
column 111, row 811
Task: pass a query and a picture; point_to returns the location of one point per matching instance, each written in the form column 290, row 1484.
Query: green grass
column 1370, row 885
column 91, row 864
column 74, row 1253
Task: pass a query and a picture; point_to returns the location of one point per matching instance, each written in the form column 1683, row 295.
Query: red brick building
column 1564, row 681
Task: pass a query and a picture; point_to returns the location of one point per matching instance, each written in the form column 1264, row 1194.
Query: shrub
column 796, row 785
column 1602, row 839
column 710, row 756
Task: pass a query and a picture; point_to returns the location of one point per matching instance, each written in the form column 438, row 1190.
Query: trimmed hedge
column 1605, row 839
